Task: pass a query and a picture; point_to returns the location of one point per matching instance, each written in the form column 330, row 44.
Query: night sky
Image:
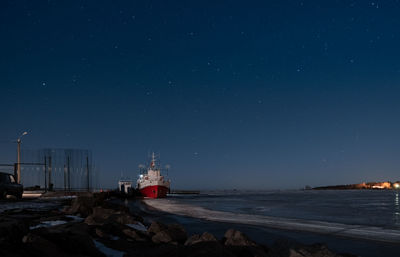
column 232, row 94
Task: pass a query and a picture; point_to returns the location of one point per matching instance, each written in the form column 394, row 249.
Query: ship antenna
column 167, row 167
column 153, row 160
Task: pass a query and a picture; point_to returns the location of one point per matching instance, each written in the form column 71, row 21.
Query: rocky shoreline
column 93, row 225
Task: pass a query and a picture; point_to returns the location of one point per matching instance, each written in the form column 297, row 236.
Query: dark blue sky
column 250, row 94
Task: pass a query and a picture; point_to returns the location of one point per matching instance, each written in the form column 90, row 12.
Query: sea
column 360, row 222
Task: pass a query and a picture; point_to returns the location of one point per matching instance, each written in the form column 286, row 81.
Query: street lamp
column 19, row 157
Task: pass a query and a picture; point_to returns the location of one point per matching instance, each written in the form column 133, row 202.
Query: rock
column 194, row 239
column 156, row 227
column 12, row 230
column 316, row 250
column 122, row 218
column 72, row 239
column 178, row 232
column 42, row 247
column 284, row 248
column 102, row 215
column 236, row 238
column 82, row 205
column 91, row 221
column 173, row 233
column 229, row 233
column 99, row 216
column 100, row 233
column 205, row 237
column 135, row 235
column 162, row 237
column 240, row 245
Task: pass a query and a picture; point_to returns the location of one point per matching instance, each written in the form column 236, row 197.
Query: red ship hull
column 154, row 191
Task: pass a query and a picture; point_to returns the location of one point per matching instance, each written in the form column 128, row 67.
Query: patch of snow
column 49, row 223
column 75, row 218
column 139, row 226
column 390, row 235
column 108, row 251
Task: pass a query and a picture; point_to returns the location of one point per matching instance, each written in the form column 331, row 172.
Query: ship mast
column 153, row 160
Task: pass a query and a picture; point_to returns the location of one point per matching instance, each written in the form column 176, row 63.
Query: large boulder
column 312, row 251
column 72, row 239
column 102, row 215
column 205, row 237
column 234, row 237
column 240, row 245
column 285, row 248
column 91, row 221
column 123, row 218
column 174, row 233
column 82, row 205
column 135, row 235
column 99, row 216
column 194, row 239
column 163, row 237
column 156, row 227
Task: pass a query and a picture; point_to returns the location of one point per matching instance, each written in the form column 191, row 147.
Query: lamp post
column 19, row 157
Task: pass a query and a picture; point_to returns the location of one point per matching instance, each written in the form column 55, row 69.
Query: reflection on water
column 396, row 209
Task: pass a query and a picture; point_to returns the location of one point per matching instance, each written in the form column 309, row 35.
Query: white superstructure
column 152, row 183
column 153, row 176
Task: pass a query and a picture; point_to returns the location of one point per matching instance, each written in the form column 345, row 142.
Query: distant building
column 382, row 185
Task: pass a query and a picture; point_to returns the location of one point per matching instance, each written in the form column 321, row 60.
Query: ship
column 151, row 183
